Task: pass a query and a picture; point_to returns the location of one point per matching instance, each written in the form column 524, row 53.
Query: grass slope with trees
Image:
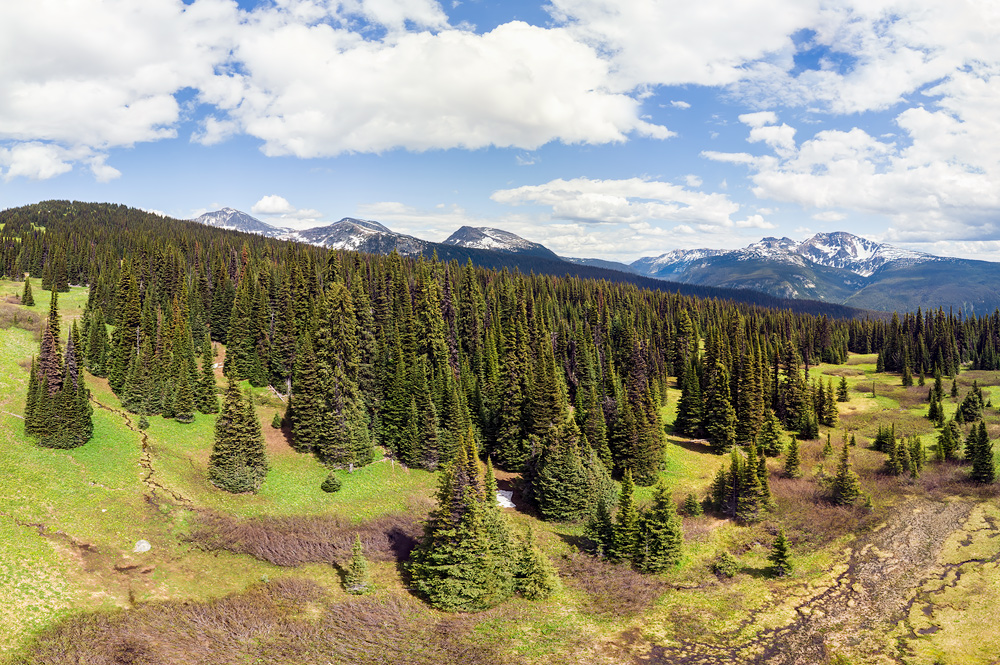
column 835, row 477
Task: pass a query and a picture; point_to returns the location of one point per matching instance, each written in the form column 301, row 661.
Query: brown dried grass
column 611, row 589
column 286, row 621
column 292, row 541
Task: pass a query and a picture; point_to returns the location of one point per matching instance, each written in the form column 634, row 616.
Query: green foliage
column 780, row 556
column 726, row 565
column 770, row 435
column 565, row 481
column 660, row 534
column 793, row 463
column 625, row 533
column 27, row 298
column 979, row 449
column 536, row 577
column 720, row 416
column 846, row 484
column 464, row 562
column 692, row 506
column 842, row 394
column 331, row 484
column 356, row 577
column 238, row 462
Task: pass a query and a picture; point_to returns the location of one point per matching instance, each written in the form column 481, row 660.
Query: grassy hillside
column 257, row 578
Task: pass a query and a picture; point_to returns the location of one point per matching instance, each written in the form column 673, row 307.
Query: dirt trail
column 146, row 461
column 886, row 569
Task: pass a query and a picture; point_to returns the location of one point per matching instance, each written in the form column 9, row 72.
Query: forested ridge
column 409, row 353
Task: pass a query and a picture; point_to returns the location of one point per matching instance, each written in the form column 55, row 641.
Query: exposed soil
column 886, row 569
column 157, row 492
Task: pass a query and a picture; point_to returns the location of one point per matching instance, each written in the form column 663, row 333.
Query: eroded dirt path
column 884, row 574
column 156, row 489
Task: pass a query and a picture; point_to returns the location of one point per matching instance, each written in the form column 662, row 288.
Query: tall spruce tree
column 27, row 298
column 846, row 485
column 660, row 533
column 625, row 532
column 238, row 462
column 720, row 416
column 983, row 468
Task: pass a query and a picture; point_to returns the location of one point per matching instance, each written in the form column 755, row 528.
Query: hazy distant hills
column 833, row 267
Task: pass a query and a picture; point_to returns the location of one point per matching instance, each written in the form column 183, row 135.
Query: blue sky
column 599, row 128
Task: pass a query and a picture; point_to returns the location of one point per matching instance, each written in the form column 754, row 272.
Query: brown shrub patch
column 12, row 315
column 610, row 588
column 286, row 621
column 292, row 541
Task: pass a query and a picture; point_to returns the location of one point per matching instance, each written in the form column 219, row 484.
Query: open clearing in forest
column 913, row 581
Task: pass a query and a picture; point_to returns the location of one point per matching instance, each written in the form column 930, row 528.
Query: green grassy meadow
column 69, row 521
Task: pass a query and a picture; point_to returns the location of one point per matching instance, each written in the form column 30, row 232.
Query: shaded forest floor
column 257, row 578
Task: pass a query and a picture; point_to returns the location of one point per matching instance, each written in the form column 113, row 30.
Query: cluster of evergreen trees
column 469, row 559
column 57, row 408
column 746, row 385
column 742, row 490
column 650, row 540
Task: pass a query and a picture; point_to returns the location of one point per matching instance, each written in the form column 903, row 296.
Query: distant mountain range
column 833, row 267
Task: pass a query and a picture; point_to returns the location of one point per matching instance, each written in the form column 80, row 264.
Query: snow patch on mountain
column 498, row 240
column 236, row 220
column 839, row 249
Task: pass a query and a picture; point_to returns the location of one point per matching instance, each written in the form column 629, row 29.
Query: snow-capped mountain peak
column 484, row 237
column 235, row 220
column 861, row 256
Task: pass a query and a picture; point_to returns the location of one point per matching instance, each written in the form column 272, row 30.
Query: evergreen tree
column 183, row 399
column 720, row 417
column 206, row 394
column 750, row 494
column 827, row 446
column 780, row 556
column 306, row 403
column 455, row 567
column 689, row 406
column 600, row 527
column 238, row 462
column 625, row 533
column 27, row 299
column 983, row 468
column 356, row 576
column 770, row 435
column 566, row 481
column 792, row 461
column 846, row 485
column 660, row 534
column 842, row 394
column 948, row 441
column 344, row 439
column 536, row 577
column 692, row 506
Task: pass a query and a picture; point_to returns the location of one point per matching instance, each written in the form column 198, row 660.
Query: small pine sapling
column 331, row 484
column 793, row 463
column 356, row 577
column 828, row 446
column 780, row 556
column 726, row 565
column 692, row 506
